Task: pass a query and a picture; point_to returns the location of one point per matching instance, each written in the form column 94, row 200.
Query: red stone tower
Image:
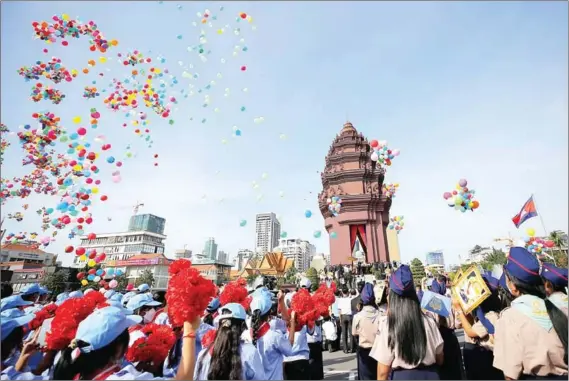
column 351, row 175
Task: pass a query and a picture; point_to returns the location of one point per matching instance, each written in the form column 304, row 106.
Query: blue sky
column 463, row 89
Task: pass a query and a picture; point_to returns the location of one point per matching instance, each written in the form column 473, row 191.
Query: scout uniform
column 401, row 282
column 558, row 278
column 364, row 327
column 525, row 344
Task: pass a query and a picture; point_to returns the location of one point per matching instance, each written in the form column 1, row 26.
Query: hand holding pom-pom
column 153, row 348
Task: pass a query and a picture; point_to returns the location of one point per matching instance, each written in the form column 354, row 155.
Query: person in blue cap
column 14, row 301
column 31, row 292
column 98, row 349
column 530, row 338
column 12, row 333
column 408, row 345
column 555, row 282
column 364, row 328
column 143, row 288
column 296, row 366
column 228, row 357
column 478, row 351
column 272, row 344
column 211, row 311
column 143, row 305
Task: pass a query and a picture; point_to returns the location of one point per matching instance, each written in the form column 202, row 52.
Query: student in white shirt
column 330, row 334
column 345, row 307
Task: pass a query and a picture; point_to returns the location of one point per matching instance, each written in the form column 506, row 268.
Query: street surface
column 340, row 366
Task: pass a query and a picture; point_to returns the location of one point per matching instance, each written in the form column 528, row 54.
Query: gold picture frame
column 470, row 289
column 457, row 276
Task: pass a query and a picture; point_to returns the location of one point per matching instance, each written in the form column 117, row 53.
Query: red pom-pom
column 235, row 292
column 188, row 293
column 208, row 338
column 154, row 346
column 45, row 313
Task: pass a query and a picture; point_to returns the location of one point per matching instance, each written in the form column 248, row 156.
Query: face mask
column 149, row 315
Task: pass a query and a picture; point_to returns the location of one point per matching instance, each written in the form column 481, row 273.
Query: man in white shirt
column 345, row 307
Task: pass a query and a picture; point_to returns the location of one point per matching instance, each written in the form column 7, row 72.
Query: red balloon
column 92, row 271
column 104, row 198
column 374, row 143
column 80, row 251
column 69, row 249
column 88, row 221
column 130, row 286
column 91, row 236
column 92, row 255
column 80, row 276
column 103, row 256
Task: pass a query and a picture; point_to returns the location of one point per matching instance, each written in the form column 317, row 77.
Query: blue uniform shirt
column 250, row 360
column 300, row 348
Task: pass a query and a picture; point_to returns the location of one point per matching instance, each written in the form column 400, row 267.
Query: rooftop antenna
column 137, row 206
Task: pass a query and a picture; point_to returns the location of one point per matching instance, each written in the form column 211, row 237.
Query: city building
column 242, row 257
column 350, row 174
column 134, row 266
column 26, row 252
column 26, row 274
column 222, row 257
column 183, row 254
column 271, row 264
column 147, row 222
column 298, row 250
column 122, row 246
column 210, row 249
column 219, row 273
column 434, row 269
column 393, row 245
column 267, row 232
column 435, row 258
column 478, row 254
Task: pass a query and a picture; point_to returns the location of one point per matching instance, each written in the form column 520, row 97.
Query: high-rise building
column 147, row 222
column 210, row 249
column 222, row 257
column 435, row 258
column 267, row 232
column 299, row 250
column 243, row 256
column 183, row 254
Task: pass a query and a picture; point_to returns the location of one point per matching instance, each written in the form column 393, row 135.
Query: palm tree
column 559, row 250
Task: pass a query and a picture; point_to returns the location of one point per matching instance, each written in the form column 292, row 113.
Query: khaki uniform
column 365, row 326
column 521, row 346
column 483, row 338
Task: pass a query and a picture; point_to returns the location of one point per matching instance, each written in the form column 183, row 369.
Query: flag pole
column 539, row 215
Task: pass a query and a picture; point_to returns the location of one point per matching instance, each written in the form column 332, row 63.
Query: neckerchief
column 534, row 308
column 559, row 299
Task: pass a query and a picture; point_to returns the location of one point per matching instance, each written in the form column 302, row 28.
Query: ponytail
column 87, row 364
column 255, row 325
column 225, row 361
column 557, row 317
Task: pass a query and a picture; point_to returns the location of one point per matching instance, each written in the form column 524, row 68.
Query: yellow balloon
column 79, row 147
column 74, row 72
column 76, row 119
column 65, row 17
column 84, row 282
column 94, row 190
column 458, row 187
column 91, row 263
column 77, row 167
column 83, row 257
column 530, row 232
column 102, row 59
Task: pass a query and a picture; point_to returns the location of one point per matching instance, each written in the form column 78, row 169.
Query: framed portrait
column 457, row 276
column 470, row 289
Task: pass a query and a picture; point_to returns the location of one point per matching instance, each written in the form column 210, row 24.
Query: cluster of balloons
column 390, row 189
column 382, row 154
column 52, row 70
column 90, row 92
column 334, row 205
column 396, row 223
column 462, row 198
column 39, row 92
column 4, row 143
column 536, row 245
column 98, row 276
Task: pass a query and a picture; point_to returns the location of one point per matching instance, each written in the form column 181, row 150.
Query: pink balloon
column 113, row 283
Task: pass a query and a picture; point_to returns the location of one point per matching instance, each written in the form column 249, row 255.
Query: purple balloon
column 447, row 195
column 462, row 182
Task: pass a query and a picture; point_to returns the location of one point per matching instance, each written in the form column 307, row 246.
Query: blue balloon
column 110, row 159
column 49, row 210
column 90, row 277
column 73, row 136
column 118, row 272
column 110, row 271
column 307, row 214
column 99, row 272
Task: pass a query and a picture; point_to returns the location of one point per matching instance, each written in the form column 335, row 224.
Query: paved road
column 340, row 366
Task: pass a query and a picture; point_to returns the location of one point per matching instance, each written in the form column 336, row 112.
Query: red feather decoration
column 235, row 292
column 188, row 293
column 154, row 346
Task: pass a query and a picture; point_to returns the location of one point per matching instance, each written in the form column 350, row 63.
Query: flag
column 528, row 211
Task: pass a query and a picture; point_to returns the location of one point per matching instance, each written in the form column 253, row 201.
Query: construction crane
column 138, row 205
column 509, row 240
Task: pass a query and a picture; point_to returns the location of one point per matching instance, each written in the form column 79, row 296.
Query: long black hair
column 11, row 342
column 256, row 321
column 208, row 318
column 406, row 327
column 87, row 364
column 557, row 317
column 225, row 363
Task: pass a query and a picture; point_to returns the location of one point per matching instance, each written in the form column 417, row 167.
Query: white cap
column 305, row 282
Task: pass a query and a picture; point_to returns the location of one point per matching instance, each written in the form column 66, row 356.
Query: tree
column 146, row 277
column 290, row 275
column 56, row 282
column 559, row 249
column 312, row 276
column 496, row 257
column 251, row 278
column 418, row 270
column 122, row 282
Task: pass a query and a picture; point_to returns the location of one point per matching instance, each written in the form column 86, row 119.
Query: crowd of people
column 518, row 332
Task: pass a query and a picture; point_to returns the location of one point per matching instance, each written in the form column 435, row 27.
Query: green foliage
column 146, row 277
column 496, row 257
column 56, row 281
column 418, row 270
column 122, row 282
column 559, row 250
column 251, row 279
column 312, row 275
column 290, row 275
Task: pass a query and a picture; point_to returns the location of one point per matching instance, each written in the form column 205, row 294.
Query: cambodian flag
column 528, row 211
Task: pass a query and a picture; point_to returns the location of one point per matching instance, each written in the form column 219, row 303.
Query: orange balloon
column 85, row 71
column 475, row 204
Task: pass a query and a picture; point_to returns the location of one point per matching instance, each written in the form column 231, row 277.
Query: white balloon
column 374, row 156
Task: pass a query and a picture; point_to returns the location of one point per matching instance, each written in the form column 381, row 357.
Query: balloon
column 118, row 272
column 317, row 234
column 283, row 234
column 530, row 232
column 447, row 195
column 84, row 282
column 307, row 213
column 242, row 223
column 374, row 157
column 91, row 263
column 130, row 286
column 333, row 235
column 99, row 272
column 111, row 271
column 374, row 143
column 462, row 182
column 80, row 276
column 113, row 283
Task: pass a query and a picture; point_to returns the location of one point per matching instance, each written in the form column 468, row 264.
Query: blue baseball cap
column 116, row 297
column 261, row 301
column 10, row 324
column 401, row 281
column 12, row 313
column 118, row 304
column 523, row 265
column 13, row 301
column 556, row 275
column 143, row 287
column 75, row 294
column 236, row 311
column 141, row 300
column 127, row 297
column 30, row 289
column 103, row 326
column 44, row 291
column 367, row 295
column 213, row 305
column 109, row 293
